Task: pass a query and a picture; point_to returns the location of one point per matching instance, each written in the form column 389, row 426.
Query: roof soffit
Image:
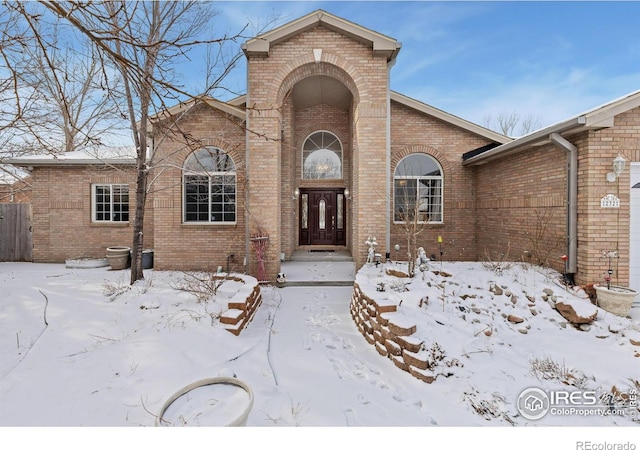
column 450, row 118
column 605, row 114
column 594, row 119
column 382, row 45
column 211, row 102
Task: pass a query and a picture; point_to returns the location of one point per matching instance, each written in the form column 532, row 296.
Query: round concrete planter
column 118, row 257
column 617, row 299
column 218, row 401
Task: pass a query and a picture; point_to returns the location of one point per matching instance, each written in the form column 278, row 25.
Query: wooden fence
column 15, row 232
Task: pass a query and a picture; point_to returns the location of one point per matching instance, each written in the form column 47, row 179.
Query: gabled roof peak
column 381, row 44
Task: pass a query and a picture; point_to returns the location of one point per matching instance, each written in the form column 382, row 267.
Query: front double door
column 323, row 218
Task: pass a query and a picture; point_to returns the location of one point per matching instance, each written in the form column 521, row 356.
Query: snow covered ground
column 80, row 348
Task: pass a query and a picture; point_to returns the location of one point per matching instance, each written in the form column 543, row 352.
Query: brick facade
column 513, row 207
column 521, row 207
column 362, row 130
column 413, row 132
column 522, row 202
column 188, row 246
column 61, row 210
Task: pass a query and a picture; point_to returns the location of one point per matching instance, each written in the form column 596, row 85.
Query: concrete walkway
column 319, row 269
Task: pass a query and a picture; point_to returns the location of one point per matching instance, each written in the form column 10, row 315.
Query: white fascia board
column 450, row 118
column 526, row 141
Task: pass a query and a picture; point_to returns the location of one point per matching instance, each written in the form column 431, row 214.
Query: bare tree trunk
column 144, row 40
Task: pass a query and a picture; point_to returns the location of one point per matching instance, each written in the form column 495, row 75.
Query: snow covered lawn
column 79, row 347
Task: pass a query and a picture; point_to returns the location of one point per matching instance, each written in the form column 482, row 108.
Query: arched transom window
column 418, row 190
column 322, row 157
column 209, row 179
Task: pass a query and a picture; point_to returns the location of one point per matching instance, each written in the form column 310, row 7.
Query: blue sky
column 472, row 59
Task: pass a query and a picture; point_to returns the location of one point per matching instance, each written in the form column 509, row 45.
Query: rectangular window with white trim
column 110, row 203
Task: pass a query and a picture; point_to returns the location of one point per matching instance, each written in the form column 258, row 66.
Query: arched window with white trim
column 322, row 157
column 418, row 190
column 209, row 184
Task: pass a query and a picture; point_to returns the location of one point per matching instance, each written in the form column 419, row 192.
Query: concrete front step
column 318, row 273
column 315, row 283
column 302, row 255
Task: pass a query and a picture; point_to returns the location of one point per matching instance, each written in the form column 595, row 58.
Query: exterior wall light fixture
column 618, row 167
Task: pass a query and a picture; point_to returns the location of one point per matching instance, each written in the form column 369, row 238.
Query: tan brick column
column 370, row 177
column 263, row 184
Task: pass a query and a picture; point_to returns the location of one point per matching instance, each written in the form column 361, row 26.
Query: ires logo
column 534, row 403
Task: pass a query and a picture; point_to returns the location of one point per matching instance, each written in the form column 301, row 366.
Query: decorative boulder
column 577, row 312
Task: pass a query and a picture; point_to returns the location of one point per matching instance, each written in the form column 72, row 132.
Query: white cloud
column 552, row 98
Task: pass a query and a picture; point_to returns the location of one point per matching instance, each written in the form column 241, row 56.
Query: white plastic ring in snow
column 218, row 401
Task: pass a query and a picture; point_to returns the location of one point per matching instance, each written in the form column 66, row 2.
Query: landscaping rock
column 514, row 319
column 633, row 336
column 567, row 311
column 397, row 273
column 426, row 376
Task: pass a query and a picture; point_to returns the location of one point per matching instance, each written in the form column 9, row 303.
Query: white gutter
column 34, row 162
column 523, row 142
column 572, row 201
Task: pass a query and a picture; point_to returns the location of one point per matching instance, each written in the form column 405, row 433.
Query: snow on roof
column 101, row 155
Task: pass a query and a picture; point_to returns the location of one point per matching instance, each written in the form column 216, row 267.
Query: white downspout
column 247, row 159
column 572, row 198
column 387, row 169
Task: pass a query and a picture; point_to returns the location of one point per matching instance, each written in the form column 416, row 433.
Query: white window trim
column 209, row 175
column 414, row 177
column 342, row 168
column 93, row 203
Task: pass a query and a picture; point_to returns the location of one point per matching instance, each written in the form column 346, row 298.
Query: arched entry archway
column 317, row 157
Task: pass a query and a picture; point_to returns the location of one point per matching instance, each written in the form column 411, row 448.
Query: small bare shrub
column 548, row 369
column 497, row 262
column 437, row 357
column 544, row 241
column 489, row 408
column 399, row 285
column 204, row 285
column 114, row 289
